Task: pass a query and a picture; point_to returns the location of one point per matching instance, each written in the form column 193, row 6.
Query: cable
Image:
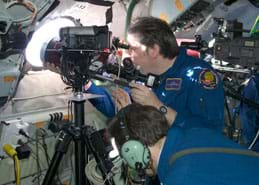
column 254, row 140
column 43, row 145
column 35, row 97
column 11, row 152
column 17, row 170
column 118, row 59
column 37, row 155
column 70, row 111
column 34, row 156
column 42, row 133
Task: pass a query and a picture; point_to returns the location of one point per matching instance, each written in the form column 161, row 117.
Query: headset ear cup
column 135, row 154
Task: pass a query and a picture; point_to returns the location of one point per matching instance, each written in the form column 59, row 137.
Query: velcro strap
column 183, row 153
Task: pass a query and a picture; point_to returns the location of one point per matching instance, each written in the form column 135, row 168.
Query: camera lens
column 128, row 65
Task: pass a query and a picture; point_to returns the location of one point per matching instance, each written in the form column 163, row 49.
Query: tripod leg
column 80, row 150
column 64, row 140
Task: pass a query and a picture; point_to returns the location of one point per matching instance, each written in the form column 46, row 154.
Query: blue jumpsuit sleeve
column 204, row 97
column 104, row 104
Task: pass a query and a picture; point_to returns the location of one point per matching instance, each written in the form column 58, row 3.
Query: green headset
column 134, row 152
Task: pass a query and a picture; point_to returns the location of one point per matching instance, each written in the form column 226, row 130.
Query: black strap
column 98, row 2
column 185, row 152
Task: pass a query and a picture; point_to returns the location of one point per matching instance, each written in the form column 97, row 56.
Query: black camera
column 86, row 38
column 79, row 47
column 231, row 46
column 82, row 54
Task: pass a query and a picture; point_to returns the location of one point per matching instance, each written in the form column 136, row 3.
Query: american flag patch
column 173, row 84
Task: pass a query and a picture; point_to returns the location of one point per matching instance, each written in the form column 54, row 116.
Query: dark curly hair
column 152, row 31
column 143, row 123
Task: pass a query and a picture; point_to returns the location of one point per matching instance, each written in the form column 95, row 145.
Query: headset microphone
column 9, row 150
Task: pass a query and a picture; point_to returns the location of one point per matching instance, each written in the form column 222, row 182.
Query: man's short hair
column 152, row 31
column 143, row 123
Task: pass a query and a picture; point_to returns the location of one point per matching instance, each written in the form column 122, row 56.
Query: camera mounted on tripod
column 83, row 53
column 88, row 38
column 79, row 46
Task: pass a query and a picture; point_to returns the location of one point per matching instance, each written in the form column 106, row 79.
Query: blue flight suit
column 250, row 115
column 213, row 168
column 103, row 104
column 190, row 86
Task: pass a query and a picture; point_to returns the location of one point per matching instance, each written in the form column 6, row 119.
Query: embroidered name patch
column 208, row 79
column 173, row 84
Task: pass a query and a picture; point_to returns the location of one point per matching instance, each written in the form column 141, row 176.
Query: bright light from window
column 35, row 50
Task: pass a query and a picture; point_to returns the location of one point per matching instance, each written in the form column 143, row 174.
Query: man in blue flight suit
column 189, row 86
column 181, row 156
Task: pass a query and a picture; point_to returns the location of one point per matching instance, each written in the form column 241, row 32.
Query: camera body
column 243, row 51
column 82, row 47
column 86, row 38
column 231, row 46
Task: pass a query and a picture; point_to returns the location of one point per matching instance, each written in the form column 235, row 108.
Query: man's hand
column 121, row 98
column 143, row 95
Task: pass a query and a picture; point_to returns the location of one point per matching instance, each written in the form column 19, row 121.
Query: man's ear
column 154, row 51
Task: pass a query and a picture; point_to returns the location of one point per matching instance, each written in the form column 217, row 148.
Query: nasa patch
column 173, row 84
column 208, row 79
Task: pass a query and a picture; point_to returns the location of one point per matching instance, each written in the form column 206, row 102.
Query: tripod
column 75, row 72
column 87, row 141
column 65, row 137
